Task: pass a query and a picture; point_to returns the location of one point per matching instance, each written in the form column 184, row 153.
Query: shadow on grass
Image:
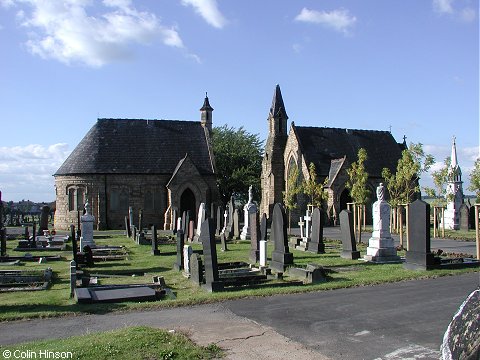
column 43, row 309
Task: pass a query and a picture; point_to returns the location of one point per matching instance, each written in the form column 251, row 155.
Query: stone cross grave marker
column 307, row 219
column 348, row 238
column 301, row 224
column 281, row 256
column 212, row 280
column 316, row 244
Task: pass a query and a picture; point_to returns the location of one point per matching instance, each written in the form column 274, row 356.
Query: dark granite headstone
column 263, row 227
column 348, row 237
column 223, row 241
column 471, row 217
column 281, row 256
column 74, row 243
column 418, row 255
column 88, row 255
column 196, row 269
column 207, row 238
column 462, row 340
column 26, row 234
column 73, row 277
column 44, row 219
column 254, row 237
column 236, row 225
column 93, row 295
column 3, row 242
column 174, row 221
column 178, row 265
column 155, row 250
column 34, row 237
column 219, row 221
column 463, row 212
column 316, row 244
column 127, row 227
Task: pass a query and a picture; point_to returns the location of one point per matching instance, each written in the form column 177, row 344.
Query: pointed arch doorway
column 188, row 202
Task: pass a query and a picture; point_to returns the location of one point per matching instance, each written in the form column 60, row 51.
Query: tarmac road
column 391, row 321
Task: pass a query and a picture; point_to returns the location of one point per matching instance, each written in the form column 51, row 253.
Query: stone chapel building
column 156, row 166
column 332, row 150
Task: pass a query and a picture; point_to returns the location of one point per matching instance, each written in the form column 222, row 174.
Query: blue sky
column 410, row 66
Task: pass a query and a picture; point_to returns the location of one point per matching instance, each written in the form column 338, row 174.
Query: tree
column 475, row 179
column 403, row 186
column 440, row 181
column 238, row 160
column 357, row 183
column 314, row 190
column 292, row 190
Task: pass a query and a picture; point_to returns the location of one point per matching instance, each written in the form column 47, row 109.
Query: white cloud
column 26, row 171
column 75, row 31
column 208, row 10
column 451, row 8
column 339, row 20
column 443, row 6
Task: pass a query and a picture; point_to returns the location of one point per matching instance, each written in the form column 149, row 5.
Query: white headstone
column 200, row 218
column 249, row 208
column 301, row 224
column 381, row 247
column 86, row 223
column 187, row 251
column 179, row 223
column 307, row 219
column 263, row 253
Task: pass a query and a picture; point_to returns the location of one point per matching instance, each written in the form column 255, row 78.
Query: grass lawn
column 129, row 343
column 56, row 302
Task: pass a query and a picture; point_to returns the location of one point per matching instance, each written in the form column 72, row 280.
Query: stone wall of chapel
column 99, row 190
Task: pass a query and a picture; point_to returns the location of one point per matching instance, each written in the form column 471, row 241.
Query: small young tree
column 403, row 186
column 315, row 191
column 293, row 188
column 475, row 180
column 357, row 183
column 440, row 181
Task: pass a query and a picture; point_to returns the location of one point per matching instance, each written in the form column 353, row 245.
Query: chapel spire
column 277, row 115
column 206, row 113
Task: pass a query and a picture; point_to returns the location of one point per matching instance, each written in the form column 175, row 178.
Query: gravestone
column 3, row 242
column 418, row 255
column 263, row 228
column 179, row 224
column 236, row 225
column 223, row 242
column 187, row 252
column 43, row 225
column 219, row 221
column 184, row 218
column 74, row 243
column 200, row 220
column 196, row 269
column 134, row 234
column 73, row 277
column 281, row 256
column 348, row 238
column 26, row 234
column 174, row 221
column 34, row 237
column 316, row 244
column 464, row 217
column 212, row 282
column 263, row 252
column 155, row 250
column 248, row 209
column 462, row 340
column 130, row 219
column 191, row 230
column 178, row 265
column 87, row 221
column 231, row 208
column 128, row 230
column 308, row 219
column 254, row 238
column 140, row 220
column 381, row 247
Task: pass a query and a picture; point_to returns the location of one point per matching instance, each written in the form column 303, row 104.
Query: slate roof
column 321, row 145
column 128, row 146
